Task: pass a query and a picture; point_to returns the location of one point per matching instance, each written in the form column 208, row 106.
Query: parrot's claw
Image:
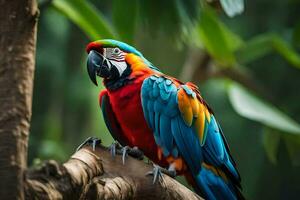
column 157, row 172
column 90, row 141
column 134, row 152
column 115, row 148
column 124, row 153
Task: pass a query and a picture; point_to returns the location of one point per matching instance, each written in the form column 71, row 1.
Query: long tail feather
column 213, row 186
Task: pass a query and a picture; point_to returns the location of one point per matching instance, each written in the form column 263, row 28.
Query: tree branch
column 97, row 175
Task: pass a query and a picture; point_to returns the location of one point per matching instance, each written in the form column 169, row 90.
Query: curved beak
column 97, row 65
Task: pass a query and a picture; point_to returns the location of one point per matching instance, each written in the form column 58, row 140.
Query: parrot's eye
column 116, row 50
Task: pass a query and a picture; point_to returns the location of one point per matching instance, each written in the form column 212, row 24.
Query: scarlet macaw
column 166, row 119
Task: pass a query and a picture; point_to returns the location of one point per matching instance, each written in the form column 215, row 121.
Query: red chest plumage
column 126, row 104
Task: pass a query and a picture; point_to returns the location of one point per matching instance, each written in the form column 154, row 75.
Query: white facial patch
column 121, row 66
column 117, row 57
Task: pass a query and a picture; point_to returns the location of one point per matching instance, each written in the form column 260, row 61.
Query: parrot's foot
column 116, row 148
column 93, row 141
column 133, row 152
column 157, row 172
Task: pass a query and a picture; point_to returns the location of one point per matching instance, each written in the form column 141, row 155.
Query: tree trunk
column 18, row 20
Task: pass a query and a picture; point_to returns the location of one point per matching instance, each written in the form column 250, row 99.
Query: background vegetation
column 247, row 68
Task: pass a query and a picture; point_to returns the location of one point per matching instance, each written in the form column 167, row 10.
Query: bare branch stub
column 97, row 175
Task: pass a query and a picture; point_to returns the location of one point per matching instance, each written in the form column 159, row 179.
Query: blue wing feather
column 163, row 116
column 175, row 137
column 183, row 136
column 215, row 151
column 165, row 124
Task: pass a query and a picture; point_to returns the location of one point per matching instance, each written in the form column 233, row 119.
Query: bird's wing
column 183, row 123
column 110, row 119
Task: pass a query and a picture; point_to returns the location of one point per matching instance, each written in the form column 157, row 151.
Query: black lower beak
column 97, row 65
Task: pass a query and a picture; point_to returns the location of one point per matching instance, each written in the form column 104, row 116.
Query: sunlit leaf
column 213, row 36
column 254, row 108
column 265, row 44
column 271, row 140
column 232, row 7
column 87, row 17
column 125, row 18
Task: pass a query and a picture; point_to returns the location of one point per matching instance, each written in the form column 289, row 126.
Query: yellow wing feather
column 195, row 106
column 185, row 107
column 193, row 111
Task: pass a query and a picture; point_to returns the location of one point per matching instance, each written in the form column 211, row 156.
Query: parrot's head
column 107, row 59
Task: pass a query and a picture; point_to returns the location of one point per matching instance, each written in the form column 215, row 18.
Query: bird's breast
column 126, row 104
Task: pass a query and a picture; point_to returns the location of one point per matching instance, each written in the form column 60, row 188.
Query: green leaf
column 168, row 17
column 233, row 41
column 271, row 140
column 296, row 35
column 265, row 44
column 87, row 17
column 271, row 143
column 217, row 39
column 125, row 18
column 232, row 7
column 293, row 147
column 250, row 106
column 254, row 49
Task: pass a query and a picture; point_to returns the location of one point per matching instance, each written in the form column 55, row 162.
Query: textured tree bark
column 18, row 19
column 97, row 175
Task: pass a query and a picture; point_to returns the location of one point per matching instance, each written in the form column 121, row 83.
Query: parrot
column 166, row 119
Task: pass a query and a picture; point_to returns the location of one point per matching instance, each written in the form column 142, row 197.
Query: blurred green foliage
column 261, row 126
